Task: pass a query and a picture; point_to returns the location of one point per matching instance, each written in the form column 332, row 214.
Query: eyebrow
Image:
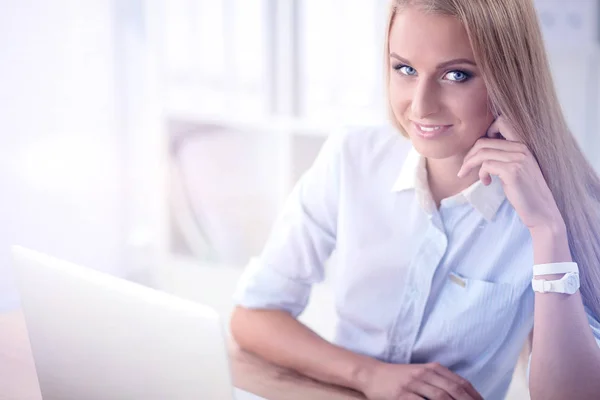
column 441, row 65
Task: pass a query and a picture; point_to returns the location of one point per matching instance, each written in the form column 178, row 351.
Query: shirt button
column 414, row 291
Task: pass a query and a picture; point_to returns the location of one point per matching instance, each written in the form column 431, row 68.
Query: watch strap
column 567, row 284
column 555, row 268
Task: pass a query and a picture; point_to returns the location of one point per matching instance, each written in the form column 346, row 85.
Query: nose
column 425, row 100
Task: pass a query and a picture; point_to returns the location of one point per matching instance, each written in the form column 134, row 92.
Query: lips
column 430, row 131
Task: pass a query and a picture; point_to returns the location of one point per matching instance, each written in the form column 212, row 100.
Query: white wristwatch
column 567, row 284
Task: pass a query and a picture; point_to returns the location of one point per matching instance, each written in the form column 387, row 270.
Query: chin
column 436, row 150
column 434, row 154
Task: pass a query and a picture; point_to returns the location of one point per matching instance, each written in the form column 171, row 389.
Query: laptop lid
column 98, row 337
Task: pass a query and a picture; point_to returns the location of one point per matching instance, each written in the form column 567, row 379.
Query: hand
column 501, row 153
column 416, row 381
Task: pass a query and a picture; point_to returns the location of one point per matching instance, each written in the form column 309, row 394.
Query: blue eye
column 458, row 76
column 405, row 70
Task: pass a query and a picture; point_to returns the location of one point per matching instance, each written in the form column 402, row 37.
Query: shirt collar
column 413, row 175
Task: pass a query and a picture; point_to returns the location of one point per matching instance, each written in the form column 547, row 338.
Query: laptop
column 98, row 337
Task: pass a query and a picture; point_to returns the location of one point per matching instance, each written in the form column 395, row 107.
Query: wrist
column 550, row 243
column 552, row 229
column 364, row 372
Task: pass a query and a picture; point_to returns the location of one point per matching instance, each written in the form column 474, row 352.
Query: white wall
column 60, row 160
column 576, row 75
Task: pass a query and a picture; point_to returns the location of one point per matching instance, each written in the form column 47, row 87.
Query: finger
column 484, row 177
column 505, row 145
column 505, row 171
column 453, row 388
column 410, row 396
column 500, row 128
column 493, row 131
column 489, row 154
column 465, row 384
column 429, row 391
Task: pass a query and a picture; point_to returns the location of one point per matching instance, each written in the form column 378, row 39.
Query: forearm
column 565, row 357
column 278, row 337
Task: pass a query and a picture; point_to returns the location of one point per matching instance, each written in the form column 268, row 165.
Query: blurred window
column 220, row 58
column 215, row 56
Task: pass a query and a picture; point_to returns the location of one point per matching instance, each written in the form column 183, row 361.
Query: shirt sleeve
column 594, row 324
column 301, row 240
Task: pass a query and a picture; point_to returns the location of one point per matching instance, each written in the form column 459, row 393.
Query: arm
column 278, row 337
column 292, row 345
column 275, row 288
column 565, row 360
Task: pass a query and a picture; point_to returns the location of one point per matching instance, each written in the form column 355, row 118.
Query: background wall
column 61, row 143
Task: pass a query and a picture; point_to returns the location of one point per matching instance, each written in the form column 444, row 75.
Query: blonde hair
column 508, row 48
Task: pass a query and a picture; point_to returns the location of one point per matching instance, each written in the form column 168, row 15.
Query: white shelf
column 278, row 125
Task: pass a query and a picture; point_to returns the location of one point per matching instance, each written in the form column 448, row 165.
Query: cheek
column 399, row 99
column 473, row 110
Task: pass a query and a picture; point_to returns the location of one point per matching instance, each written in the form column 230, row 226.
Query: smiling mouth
column 431, row 131
column 430, row 128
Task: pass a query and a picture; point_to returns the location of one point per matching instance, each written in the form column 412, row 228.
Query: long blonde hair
column 508, row 48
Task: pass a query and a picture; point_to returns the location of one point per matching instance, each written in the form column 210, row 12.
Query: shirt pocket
column 476, row 314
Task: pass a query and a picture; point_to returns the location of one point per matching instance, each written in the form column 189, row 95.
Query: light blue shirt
column 414, row 283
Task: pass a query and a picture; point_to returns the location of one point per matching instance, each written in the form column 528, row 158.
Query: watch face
column 571, row 285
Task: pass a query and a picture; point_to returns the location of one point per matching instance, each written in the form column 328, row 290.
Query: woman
column 436, row 236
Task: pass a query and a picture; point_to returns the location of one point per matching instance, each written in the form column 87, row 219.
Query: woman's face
column 437, row 93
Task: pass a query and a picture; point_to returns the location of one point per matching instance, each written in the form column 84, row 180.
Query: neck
column 442, row 179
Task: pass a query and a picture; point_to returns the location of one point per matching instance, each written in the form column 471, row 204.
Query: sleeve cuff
column 263, row 287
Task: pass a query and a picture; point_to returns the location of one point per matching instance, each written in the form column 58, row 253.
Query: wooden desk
column 18, row 379
column 17, row 372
